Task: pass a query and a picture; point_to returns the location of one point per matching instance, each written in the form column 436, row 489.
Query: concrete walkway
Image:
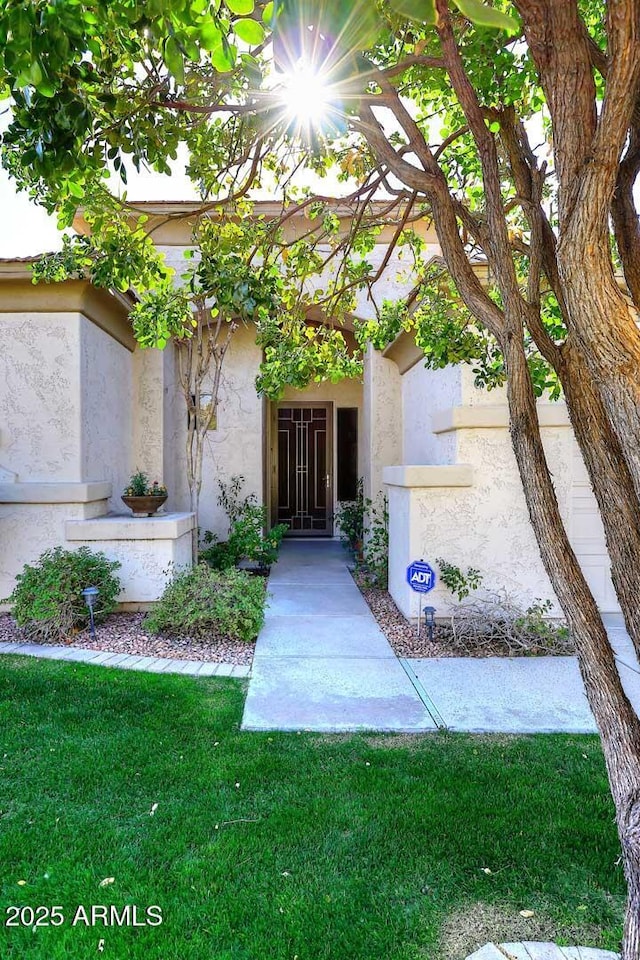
column 321, row 661
column 536, row 950
column 522, row 694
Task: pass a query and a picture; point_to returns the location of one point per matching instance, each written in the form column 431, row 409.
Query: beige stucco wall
column 40, row 410
column 106, row 389
column 236, row 445
column 424, row 392
column 28, row 529
column 483, row 525
column 382, row 420
column 149, row 550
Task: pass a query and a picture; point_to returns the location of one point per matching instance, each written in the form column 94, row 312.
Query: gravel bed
column 401, row 634
column 405, row 642
column 125, row 633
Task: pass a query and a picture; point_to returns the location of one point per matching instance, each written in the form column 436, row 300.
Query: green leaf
column 241, row 7
column 267, row 14
column 35, row 73
column 250, row 31
column 223, row 58
column 46, row 88
column 173, row 58
column 76, row 189
column 485, row 16
column 423, row 11
column 210, row 36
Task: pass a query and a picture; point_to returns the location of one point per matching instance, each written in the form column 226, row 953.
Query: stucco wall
column 28, row 529
column 485, row 525
column 40, row 418
column 382, row 420
column 423, row 393
column 235, row 446
column 106, row 405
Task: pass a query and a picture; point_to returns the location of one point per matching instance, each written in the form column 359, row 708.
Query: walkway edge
column 126, row 661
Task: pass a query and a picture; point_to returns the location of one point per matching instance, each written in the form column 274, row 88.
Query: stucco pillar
column 150, row 409
column 382, row 419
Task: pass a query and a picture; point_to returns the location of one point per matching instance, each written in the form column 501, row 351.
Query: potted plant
column 142, row 497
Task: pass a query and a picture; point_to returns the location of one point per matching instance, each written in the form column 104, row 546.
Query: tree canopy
column 514, row 127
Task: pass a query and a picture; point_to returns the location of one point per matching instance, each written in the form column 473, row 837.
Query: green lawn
column 283, row 846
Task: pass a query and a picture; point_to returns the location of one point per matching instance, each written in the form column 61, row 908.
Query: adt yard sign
column 421, row 577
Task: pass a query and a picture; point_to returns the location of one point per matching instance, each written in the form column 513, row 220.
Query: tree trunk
column 606, row 334
column 194, row 506
column 611, row 482
column 616, row 720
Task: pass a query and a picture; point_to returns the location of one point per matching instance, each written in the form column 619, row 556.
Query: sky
column 28, row 230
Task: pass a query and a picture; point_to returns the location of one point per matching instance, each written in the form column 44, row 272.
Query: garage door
column 587, row 537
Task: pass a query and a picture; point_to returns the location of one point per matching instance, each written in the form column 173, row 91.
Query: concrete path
column 126, row 661
column 521, row 694
column 321, row 661
column 537, row 950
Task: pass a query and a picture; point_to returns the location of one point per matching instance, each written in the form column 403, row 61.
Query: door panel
column 304, row 469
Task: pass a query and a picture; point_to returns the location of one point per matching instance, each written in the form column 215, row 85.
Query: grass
column 282, row 846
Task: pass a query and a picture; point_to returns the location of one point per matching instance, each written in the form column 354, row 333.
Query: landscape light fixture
column 429, row 620
column 90, row 595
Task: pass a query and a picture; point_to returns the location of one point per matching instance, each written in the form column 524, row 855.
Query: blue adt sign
column 421, row 577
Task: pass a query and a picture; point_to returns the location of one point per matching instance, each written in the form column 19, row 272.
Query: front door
column 303, row 468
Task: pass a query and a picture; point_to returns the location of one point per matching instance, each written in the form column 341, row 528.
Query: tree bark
column 616, row 720
column 611, row 483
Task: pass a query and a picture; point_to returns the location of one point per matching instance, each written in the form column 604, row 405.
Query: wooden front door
column 303, row 492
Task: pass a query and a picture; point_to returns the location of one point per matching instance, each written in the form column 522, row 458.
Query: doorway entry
column 302, row 468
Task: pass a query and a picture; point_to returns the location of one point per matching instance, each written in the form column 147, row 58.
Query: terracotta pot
column 144, row 506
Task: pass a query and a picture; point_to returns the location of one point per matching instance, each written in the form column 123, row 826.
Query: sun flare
column 306, row 95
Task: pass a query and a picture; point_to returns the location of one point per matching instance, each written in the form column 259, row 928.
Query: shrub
column 500, row 625
column 456, row 580
column 201, row 602
column 376, row 549
column 350, row 517
column 47, row 599
column 246, row 540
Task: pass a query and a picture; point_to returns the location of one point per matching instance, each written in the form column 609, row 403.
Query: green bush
column 246, row 540
column 47, row 599
column 203, row 602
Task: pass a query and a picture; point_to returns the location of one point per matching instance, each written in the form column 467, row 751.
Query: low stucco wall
column 149, row 550
column 33, row 518
column 482, row 522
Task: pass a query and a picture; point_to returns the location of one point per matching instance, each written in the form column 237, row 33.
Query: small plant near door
column 376, row 549
column 350, row 519
column 247, row 540
column 364, row 525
